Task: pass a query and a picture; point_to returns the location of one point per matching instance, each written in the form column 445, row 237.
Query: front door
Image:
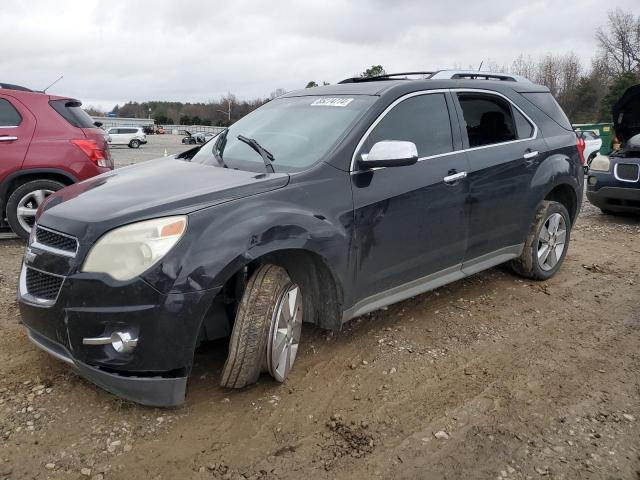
column 410, row 225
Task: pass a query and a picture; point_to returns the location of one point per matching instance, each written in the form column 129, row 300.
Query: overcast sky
column 114, row 51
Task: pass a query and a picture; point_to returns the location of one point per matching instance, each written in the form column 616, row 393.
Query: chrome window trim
column 26, row 296
column 615, row 172
column 9, row 126
column 55, row 251
column 533, row 136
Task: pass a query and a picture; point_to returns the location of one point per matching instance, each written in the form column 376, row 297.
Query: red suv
column 46, row 143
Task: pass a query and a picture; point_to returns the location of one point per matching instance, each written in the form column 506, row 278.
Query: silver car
column 133, row 137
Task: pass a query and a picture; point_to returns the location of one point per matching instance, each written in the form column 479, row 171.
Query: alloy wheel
column 551, row 241
column 284, row 336
column 28, row 206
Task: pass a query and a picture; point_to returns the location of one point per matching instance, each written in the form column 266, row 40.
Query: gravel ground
column 491, row 377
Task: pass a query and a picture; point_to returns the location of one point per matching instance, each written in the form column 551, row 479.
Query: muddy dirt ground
column 491, row 377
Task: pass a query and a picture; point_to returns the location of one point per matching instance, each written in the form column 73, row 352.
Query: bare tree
column 620, row 42
column 524, row 66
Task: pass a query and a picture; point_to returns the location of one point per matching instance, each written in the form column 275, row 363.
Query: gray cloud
column 113, row 51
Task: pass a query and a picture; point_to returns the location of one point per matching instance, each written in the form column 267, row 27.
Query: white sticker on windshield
column 332, row 102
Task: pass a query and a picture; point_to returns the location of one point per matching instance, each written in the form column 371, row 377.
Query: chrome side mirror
column 390, row 153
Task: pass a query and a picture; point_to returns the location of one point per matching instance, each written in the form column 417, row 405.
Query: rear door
column 117, row 137
column 16, row 130
column 504, row 150
column 409, row 224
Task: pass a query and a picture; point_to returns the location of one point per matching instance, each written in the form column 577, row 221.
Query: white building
column 108, row 122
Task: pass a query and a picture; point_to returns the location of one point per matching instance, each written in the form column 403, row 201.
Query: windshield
column 298, row 131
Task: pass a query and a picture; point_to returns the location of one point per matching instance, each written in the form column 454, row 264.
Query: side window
column 423, row 120
column 488, row 119
column 9, row 116
column 523, row 127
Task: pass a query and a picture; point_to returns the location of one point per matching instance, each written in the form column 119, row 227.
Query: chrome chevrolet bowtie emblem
column 29, row 256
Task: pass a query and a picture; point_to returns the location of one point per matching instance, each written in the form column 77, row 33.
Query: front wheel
column 267, row 329
column 547, row 243
column 134, row 144
column 23, row 204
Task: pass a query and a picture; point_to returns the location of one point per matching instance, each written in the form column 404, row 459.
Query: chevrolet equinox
column 320, row 206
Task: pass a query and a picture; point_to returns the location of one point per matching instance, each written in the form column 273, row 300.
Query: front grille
column 43, row 285
column 627, row 171
column 52, row 239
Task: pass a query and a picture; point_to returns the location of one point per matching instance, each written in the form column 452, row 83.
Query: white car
column 131, row 136
column 593, row 143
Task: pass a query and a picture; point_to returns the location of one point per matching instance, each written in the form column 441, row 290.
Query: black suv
column 320, row 206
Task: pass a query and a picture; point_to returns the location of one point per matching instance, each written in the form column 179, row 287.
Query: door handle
column 7, row 138
column 530, row 154
column 449, row 179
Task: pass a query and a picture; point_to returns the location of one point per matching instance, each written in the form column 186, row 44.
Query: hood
column 161, row 187
column 626, row 114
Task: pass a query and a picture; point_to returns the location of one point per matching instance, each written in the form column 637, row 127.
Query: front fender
column 314, row 216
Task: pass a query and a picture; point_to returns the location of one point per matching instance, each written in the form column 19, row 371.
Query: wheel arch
column 565, row 194
column 321, row 287
column 14, row 180
column 558, row 178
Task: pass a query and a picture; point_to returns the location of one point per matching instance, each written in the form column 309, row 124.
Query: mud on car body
column 320, row 206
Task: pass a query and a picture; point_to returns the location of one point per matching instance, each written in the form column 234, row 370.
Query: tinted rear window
column 72, row 113
column 545, row 102
column 9, row 116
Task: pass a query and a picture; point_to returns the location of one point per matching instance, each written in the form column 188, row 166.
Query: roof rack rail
column 9, row 86
column 386, row 76
column 443, row 75
column 477, row 75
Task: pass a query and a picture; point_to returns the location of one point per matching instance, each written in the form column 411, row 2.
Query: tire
column 27, row 196
column 257, row 336
column 533, row 263
column 134, row 143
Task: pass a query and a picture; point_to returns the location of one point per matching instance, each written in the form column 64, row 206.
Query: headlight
column 600, row 164
column 128, row 251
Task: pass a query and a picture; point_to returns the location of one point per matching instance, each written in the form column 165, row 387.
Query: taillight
column 97, row 155
column 581, row 146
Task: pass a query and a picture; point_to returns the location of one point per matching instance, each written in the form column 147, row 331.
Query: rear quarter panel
column 50, row 146
column 560, row 165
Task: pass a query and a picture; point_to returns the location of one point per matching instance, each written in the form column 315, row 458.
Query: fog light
column 121, row 342
column 592, row 180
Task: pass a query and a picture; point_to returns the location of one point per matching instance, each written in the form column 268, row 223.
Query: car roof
column 407, row 86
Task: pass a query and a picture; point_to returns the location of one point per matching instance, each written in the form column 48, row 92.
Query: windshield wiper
column 220, row 142
column 267, row 157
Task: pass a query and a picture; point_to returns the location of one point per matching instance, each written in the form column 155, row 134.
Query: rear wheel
column 547, row 243
column 267, row 329
column 24, row 202
column 134, row 143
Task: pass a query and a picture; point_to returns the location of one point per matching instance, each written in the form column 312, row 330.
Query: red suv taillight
column 97, row 155
column 581, row 146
